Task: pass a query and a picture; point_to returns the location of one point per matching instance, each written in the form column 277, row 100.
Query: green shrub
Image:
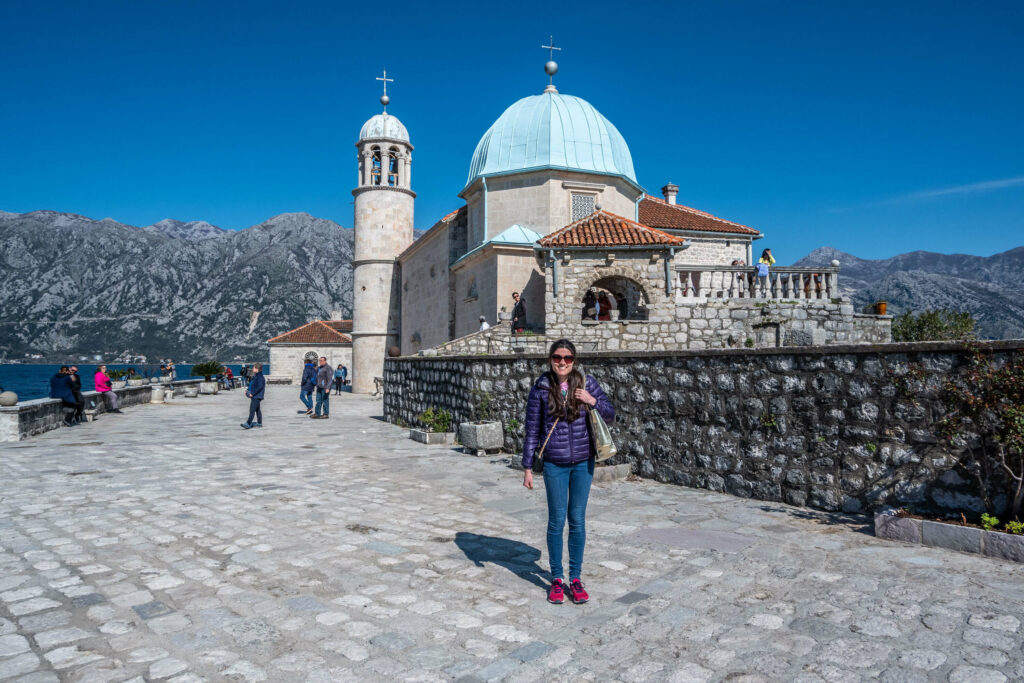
column 1015, row 527
column 482, row 408
column 933, row 325
column 435, row 419
column 988, row 522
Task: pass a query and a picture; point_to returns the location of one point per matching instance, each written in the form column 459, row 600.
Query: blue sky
column 873, row 127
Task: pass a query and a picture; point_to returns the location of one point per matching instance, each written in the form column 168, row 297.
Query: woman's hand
column 584, row 396
column 528, row 479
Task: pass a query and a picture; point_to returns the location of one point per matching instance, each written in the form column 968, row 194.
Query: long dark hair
column 765, row 253
column 569, row 407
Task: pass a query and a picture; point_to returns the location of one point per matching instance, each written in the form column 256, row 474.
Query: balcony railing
column 702, row 282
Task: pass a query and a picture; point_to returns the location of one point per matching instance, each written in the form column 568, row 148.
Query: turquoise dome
column 552, row 130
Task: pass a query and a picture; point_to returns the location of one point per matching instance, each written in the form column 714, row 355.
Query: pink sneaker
column 556, row 593
column 576, row 592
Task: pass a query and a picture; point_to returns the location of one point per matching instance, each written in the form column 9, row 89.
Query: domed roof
column 384, row 126
column 552, row 130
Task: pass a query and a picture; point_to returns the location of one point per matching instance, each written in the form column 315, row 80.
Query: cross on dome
column 384, row 99
column 551, row 68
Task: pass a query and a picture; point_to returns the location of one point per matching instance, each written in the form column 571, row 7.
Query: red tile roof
column 660, row 214
column 604, row 229
column 317, row 332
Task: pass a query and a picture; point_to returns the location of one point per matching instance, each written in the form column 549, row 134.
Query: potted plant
column 483, row 433
column 437, row 425
column 117, row 378
column 135, row 380
column 206, row 370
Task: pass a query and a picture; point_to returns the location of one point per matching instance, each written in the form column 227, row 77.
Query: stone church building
column 552, row 208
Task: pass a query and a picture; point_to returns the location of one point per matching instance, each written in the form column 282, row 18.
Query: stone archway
column 632, row 300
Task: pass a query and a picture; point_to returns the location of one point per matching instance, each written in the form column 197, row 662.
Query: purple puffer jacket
column 570, row 443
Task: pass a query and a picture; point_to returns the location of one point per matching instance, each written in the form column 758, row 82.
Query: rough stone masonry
column 824, row 427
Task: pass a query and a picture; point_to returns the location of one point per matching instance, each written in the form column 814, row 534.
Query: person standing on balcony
column 556, row 421
column 763, row 265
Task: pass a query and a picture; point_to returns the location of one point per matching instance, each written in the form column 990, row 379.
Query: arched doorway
column 625, row 298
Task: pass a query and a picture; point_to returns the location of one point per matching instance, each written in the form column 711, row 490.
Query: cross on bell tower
column 384, row 99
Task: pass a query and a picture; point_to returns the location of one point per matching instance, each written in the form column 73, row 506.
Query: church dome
column 552, row 130
column 384, row 126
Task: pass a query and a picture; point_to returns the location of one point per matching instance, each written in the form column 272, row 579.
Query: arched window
column 393, row 167
column 375, row 174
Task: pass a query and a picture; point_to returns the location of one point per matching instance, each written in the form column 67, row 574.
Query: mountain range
column 189, row 290
column 922, row 280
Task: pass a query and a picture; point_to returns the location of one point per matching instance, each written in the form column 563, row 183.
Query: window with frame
column 582, row 205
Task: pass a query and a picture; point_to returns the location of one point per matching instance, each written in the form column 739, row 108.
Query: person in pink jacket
column 103, row 387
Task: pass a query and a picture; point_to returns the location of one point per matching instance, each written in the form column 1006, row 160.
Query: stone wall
column 824, row 427
column 31, row 418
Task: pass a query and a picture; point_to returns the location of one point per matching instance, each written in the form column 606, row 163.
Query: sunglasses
column 563, row 359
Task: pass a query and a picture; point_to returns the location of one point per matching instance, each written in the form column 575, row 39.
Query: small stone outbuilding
column 288, row 351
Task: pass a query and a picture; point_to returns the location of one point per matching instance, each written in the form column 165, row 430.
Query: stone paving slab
column 170, row 545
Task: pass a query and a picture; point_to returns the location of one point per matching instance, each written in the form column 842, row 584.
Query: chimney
column 335, row 315
column 670, row 191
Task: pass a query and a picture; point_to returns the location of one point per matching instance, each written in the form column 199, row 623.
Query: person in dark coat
column 518, row 313
column 306, row 387
column 76, row 389
column 255, row 391
column 60, row 387
column 556, row 412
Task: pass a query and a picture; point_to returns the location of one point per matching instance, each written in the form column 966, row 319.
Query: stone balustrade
column 702, row 282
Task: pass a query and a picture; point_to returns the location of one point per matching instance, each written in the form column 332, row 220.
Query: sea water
column 30, row 381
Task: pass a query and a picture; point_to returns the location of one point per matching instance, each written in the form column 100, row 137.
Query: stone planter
column 157, row 394
column 118, row 384
column 154, row 380
column 168, row 393
column 136, row 382
column 965, row 539
column 208, row 387
column 504, row 316
column 480, row 437
column 191, row 392
column 432, row 438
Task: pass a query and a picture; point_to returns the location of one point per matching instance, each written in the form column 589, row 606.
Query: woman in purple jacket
column 558, row 406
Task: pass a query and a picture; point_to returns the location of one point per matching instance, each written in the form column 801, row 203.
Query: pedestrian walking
column 556, row 421
column 306, row 386
column 255, row 391
column 337, row 380
column 107, row 394
column 324, row 377
column 483, row 324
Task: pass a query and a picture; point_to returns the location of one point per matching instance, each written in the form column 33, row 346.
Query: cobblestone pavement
column 169, row 544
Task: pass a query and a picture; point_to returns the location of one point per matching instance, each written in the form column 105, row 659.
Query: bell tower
column 383, row 229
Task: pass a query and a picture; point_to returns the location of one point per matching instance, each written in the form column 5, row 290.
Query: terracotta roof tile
column 660, row 214
column 604, row 229
column 317, row 332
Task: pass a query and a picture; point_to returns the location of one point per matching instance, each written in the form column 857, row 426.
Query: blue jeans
column 567, row 488
column 307, row 398
column 323, row 400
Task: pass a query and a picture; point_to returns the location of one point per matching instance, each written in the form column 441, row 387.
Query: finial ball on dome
column 385, row 100
column 551, row 68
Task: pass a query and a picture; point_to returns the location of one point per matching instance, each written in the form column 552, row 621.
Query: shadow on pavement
column 517, row 557
column 860, row 524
